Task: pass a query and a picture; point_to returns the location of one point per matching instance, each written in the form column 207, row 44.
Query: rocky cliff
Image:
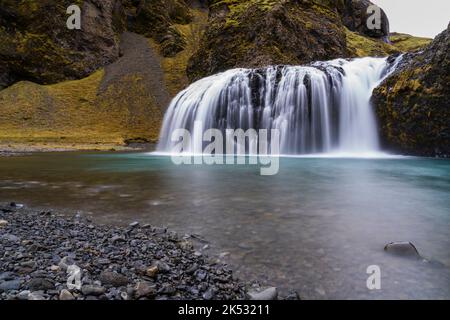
column 255, row 33
column 111, row 81
column 413, row 105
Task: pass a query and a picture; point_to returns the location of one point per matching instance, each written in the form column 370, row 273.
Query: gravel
column 46, row 256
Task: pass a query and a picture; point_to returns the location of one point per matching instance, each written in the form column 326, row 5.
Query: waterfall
column 321, row 108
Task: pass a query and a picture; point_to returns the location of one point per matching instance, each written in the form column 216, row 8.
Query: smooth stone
column 23, row 295
column 10, row 285
column 134, row 224
column 89, row 290
column 16, row 205
column 38, row 284
column 55, row 268
column 65, row 262
column 402, row 249
column 152, row 271
column 66, row 295
column 37, row 296
column 144, row 289
column 267, row 294
column 209, row 294
column 3, row 223
column 4, row 276
column 114, row 279
column 10, row 237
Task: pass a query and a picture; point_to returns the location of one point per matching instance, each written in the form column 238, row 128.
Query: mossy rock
column 413, row 105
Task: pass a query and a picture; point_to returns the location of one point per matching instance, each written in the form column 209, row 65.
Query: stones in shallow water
column 16, row 205
column 134, row 224
column 270, row 293
column 402, row 249
column 36, row 268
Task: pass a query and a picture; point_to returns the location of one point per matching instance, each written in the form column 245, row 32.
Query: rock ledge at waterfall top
column 256, row 33
column 413, row 104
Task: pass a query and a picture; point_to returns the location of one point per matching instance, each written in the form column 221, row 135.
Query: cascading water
column 321, row 108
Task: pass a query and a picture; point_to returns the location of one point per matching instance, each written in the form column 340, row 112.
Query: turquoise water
column 314, row 227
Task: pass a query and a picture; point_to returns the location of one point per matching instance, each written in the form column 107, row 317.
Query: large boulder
column 413, row 104
column 256, row 33
column 354, row 14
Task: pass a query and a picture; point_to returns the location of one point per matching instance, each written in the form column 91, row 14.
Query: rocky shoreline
column 46, row 256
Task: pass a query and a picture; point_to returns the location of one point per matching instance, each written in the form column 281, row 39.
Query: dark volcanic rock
column 251, row 35
column 108, row 270
column 413, row 104
column 36, row 45
column 40, row 284
column 402, row 249
column 354, row 15
column 113, row 278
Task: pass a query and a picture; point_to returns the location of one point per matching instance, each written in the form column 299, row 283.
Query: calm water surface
column 315, row 227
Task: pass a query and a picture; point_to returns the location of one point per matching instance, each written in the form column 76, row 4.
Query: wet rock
column 144, row 289
column 293, row 295
column 66, row 295
column 92, row 290
column 113, row 278
column 23, row 295
column 6, row 276
column 267, row 294
column 36, row 296
column 55, row 268
column 53, row 244
column 9, row 237
column 152, row 271
column 16, row 205
column 402, row 249
column 38, row 284
column 10, row 285
column 65, row 263
column 209, row 294
column 134, row 224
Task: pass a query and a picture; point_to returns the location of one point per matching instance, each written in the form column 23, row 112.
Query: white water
column 322, row 108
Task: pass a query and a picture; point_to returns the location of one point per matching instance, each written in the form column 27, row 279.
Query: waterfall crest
column 321, row 108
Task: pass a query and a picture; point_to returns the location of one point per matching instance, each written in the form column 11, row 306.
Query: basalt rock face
column 355, row 16
column 256, row 33
column 36, row 45
column 156, row 19
column 413, row 104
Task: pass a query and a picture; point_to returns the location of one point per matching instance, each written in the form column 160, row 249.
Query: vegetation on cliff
column 413, row 104
column 112, row 80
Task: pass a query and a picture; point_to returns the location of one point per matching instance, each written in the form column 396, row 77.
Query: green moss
column 408, row 43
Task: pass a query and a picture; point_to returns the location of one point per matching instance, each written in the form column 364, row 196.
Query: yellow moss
column 408, row 43
column 361, row 46
column 175, row 67
column 75, row 113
